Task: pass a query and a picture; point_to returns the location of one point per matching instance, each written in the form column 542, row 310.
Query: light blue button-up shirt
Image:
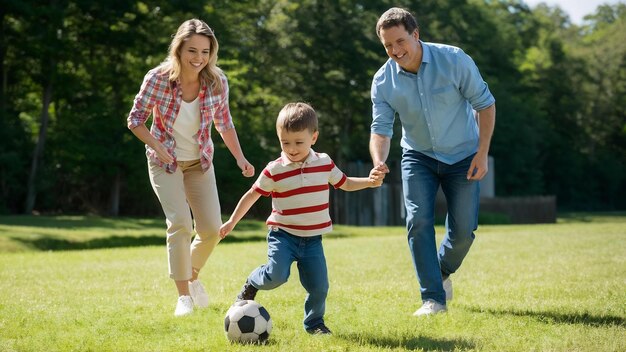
column 435, row 105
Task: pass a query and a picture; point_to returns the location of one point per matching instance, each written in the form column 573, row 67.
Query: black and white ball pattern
column 247, row 322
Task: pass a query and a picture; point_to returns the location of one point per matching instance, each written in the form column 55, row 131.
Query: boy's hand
column 375, row 183
column 226, row 228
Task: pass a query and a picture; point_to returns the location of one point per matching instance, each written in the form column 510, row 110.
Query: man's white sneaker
column 447, row 286
column 198, row 294
column 430, row 307
column 184, row 306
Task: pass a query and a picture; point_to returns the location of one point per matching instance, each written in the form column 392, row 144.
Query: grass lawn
column 101, row 284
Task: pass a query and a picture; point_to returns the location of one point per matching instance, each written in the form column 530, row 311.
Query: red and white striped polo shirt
column 300, row 193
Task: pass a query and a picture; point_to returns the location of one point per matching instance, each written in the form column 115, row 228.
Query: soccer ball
column 247, row 322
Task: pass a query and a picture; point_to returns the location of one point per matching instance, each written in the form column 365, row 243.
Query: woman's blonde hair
column 211, row 74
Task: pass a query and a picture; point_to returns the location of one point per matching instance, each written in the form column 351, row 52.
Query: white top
column 186, row 128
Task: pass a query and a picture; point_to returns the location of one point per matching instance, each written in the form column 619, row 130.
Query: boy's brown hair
column 296, row 117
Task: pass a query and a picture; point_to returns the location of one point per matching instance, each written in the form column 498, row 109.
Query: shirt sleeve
column 472, row 85
column 336, row 177
column 222, row 119
column 382, row 113
column 264, row 183
column 144, row 101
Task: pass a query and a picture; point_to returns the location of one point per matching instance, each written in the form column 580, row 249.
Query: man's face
column 402, row 47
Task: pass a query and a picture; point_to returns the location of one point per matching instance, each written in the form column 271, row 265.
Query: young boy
column 298, row 183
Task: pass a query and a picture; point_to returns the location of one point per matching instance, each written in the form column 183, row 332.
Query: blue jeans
column 421, row 178
column 283, row 249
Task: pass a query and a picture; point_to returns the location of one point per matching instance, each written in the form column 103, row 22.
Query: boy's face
column 296, row 145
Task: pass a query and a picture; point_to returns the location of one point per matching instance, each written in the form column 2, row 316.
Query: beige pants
column 177, row 192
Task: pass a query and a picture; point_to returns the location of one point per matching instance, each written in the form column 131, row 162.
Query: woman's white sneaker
column 184, row 306
column 198, row 294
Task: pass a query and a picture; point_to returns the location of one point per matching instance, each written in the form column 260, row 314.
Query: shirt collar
column 203, row 86
column 426, row 57
column 285, row 160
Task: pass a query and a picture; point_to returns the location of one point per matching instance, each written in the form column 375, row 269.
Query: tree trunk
column 31, row 194
column 3, row 72
column 114, row 207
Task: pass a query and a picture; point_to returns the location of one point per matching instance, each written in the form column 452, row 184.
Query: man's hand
column 478, row 168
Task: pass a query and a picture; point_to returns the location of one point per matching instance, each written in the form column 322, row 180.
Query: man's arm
column 379, row 150
column 480, row 164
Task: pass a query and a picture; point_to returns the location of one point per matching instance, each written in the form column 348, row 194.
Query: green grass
column 98, row 284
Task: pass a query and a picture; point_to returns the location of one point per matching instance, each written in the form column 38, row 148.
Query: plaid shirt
column 162, row 98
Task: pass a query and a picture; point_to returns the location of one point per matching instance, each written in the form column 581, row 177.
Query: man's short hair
column 397, row 16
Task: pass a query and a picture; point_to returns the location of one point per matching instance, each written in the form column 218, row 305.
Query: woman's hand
column 247, row 170
column 162, row 153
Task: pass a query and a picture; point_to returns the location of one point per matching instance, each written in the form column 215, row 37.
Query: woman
column 186, row 94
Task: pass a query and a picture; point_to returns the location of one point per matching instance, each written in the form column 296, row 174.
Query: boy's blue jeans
column 421, row 177
column 284, row 249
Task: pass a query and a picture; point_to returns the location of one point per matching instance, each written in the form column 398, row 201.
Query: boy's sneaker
column 430, row 307
column 248, row 292
column 198, row 294
column 184, row 306
column 320, row 329
column 447, row 286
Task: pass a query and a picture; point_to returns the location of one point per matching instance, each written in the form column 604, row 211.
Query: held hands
column 247, row 170
column 377, row 174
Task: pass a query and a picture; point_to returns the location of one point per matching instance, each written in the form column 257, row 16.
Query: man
column 434, row 89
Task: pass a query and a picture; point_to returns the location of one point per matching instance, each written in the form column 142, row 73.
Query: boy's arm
column 358, row 183
column 245, row 203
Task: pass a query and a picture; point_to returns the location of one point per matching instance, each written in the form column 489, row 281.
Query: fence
column 384, row 206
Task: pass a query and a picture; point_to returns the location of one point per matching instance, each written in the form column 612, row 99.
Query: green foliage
column 560, row 91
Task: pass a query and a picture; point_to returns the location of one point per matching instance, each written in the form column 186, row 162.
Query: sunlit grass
column 558, row 287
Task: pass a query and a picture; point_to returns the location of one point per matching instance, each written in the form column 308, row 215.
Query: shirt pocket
column 209, row 109
column 166, row 107
column 446, row 95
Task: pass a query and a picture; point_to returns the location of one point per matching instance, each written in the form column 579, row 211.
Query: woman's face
column 194, row 53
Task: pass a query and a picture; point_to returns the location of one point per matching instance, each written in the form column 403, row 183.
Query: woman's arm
column 232, row 143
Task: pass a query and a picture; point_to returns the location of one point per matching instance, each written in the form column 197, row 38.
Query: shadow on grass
column 553, row 317
column 79, row 221
column 592, row 217
column 48, row 243
column 417, row 343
